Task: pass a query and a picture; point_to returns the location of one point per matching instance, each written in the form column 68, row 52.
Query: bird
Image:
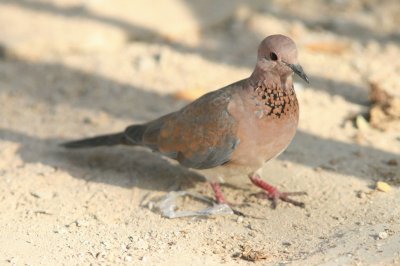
column 232, row 131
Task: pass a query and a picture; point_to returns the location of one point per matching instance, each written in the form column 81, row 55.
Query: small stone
column 392, row 162
column 360, row 194
column 81, row 223
column 42, row 194
column 12, row 261
column 361, row 123
column 106, row 245
column 250, row 254
column 60, row 230
column 383, row 186
column 128, row 258
column 382, row 235
column 239, row 219
column 150, row 205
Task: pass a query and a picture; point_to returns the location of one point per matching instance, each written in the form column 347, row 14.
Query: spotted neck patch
column 274, row 101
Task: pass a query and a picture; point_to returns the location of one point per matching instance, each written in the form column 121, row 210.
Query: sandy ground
column 71, row 69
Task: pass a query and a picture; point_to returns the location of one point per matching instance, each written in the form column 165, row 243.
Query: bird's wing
column 201, row 135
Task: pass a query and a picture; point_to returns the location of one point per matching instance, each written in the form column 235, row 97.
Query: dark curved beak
column 299, row 71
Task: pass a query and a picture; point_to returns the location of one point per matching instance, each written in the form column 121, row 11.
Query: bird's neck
column 275, row 96
column 271, row 80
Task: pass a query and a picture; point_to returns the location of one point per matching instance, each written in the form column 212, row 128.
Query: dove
column 232, row 131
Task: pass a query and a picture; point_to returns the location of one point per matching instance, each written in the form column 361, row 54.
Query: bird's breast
column 267, row 122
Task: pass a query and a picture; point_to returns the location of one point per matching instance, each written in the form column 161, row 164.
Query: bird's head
column 278, row 54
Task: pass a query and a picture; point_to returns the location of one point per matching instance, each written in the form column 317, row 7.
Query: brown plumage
column 230, row 131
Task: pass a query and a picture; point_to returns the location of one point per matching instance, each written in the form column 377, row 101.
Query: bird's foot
column 274, row 194
column 220, row 198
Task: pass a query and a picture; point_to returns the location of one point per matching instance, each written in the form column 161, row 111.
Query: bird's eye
column 273, row 56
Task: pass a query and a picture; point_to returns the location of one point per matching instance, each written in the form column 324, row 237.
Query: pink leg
column 274, row 194
column 219, row 196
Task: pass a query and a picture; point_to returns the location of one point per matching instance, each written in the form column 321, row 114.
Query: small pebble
column 42, row 194
column 60, row 230
column 361, row 194
column 150, row 205
column 81, row 223
column 12, row 260
column 361, row 123
column 382, row 235
column 383, row 186
column 239, row 219
column 106, row 245
column 252, row 234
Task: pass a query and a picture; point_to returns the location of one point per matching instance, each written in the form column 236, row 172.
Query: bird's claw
column 276, row 195
column 285, row 196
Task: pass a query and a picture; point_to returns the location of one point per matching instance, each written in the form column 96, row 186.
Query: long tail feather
column 104, row 140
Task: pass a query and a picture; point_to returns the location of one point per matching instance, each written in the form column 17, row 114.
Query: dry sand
column 71, row 69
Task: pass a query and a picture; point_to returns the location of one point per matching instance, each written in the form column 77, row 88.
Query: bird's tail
column 104, row 140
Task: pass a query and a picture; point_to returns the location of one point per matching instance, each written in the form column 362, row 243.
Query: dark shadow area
column 338, row 24
column 135, row 166
column 348, row 159
column 350, row 92
column 346, row 27
column 79, row 11
column 132, row 31
column 119, row 166
column 64, row 85
column 122, row 166
column 216, row 53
